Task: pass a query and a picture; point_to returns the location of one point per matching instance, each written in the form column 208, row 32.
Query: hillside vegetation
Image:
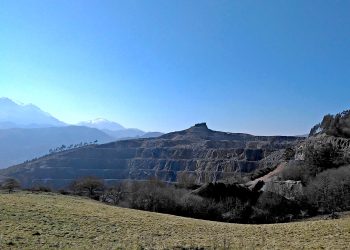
column 34, row 221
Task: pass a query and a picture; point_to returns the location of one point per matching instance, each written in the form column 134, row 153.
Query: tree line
column 64, row 147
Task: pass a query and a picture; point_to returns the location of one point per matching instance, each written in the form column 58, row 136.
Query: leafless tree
column 88, row 183
column 10, row 184
column 114, row 195
column 186, row 179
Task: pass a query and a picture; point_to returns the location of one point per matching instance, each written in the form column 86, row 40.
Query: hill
column 18, row 144
column 208, row 155
column 42, row 221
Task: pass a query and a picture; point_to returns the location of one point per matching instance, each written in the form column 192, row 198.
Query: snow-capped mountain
column 116, row 130
column 102, row 124
column 14, row 115
column 27, row 132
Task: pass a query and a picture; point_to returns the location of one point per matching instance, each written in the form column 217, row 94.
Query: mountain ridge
column 102, row 124
column 20, row 139
column 14, row 115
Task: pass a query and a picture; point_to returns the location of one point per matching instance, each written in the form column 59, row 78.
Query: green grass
column 42, row 221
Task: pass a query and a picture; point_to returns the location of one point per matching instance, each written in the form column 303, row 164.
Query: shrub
column 186, row 179
column 40, row 188
column 113, row 194
column 320, row 157
column 297, row 171
column 272, row 208
column 329, row 191
column 63, row 192
column 10, row 184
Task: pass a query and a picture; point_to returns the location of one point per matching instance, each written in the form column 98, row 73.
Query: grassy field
column 42, row 221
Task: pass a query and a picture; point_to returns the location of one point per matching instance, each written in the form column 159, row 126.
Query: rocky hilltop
column 327, row 147
column 207, row 154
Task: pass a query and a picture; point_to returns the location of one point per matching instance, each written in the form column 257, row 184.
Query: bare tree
column 114, row 194
column 88, row 183
column 186, row 179
column 10, row 184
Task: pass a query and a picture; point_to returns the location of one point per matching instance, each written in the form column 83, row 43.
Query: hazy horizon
column 264, row 68
column 102, row 119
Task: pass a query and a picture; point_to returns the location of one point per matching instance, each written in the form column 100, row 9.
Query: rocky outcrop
column 335, row 125
column 340, row 145
column 207, row 154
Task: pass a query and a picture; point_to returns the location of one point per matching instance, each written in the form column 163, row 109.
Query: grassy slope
column 71, row 222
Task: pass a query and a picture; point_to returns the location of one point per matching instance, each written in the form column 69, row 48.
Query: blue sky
column 263, row 67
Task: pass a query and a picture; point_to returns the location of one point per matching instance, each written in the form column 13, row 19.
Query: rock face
column 209, row 155
column 341, row 145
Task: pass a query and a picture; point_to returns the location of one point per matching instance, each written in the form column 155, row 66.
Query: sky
column 260, row 67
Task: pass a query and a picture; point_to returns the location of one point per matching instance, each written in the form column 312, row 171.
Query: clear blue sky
column 263, row 67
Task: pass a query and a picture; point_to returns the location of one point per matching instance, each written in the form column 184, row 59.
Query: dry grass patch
column 41, row 221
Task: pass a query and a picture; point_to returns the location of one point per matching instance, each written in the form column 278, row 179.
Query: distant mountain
column 27, row 132
column 117, row 131
column 131, row 133
column 18, row 145
column 102, row 124
column 304, row 135
column 13, row 115
column 125, row 133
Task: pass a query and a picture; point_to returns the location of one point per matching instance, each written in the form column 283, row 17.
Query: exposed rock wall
column 209, row 155
column 341, row 145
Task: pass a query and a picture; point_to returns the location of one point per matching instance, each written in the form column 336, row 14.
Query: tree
column 321, row 157
column 336, row 125
column 10, row 184
column 114, row 194
column 330, row 190
column 186, row 179
column 88, row 183
column 315, row 129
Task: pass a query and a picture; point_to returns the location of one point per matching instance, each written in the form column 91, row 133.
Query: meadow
column 47, row 220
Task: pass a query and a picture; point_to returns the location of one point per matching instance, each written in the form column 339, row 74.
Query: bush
column 114, row 194
column 272, row 208
column 40, row 188
column 10, row 184
column 329, row 191
column 63, row 192
column 320, row 157
column 297, row 171
column 186, row 180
